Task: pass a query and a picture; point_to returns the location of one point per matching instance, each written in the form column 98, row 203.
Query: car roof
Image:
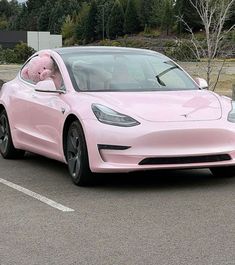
column 107, row 49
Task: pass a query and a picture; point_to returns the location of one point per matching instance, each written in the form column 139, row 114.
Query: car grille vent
column 184, row 160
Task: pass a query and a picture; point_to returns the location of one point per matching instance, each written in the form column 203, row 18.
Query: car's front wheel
column 7, row 148
column 228, row 171
column 77, row 157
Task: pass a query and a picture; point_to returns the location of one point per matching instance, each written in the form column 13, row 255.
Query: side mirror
column 48, row 86
column 202, row 83
column 233, row 92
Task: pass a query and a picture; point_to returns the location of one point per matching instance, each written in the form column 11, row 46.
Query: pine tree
column 91, row 22
column 81, row 22
column 5, row 9
column 124, row 4
column 231, row 18
column 57, row 17
column 103, row 12
column 168, row 14
column 116, row 21
column 131, row 24
column 34, row 4
column 68, row 28
column 22, row 19
column 183, row 8
column 156, row 17
column 146, row 12
column 44, row 16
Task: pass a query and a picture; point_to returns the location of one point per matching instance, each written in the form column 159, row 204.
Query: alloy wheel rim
column 4, row 134
column 74, row 153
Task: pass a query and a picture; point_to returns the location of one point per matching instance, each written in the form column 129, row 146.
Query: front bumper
column 162, row 141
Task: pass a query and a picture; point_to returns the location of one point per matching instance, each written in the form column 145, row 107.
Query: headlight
column 231, row 115
column 112, row 117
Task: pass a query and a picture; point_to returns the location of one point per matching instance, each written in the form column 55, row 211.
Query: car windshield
column 125, row 71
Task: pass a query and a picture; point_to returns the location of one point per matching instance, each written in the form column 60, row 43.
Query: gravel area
column 8, row 72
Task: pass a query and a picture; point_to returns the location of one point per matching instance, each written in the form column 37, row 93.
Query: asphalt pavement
column 172, row 217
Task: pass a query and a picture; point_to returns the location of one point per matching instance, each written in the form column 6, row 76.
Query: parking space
column 174, row 217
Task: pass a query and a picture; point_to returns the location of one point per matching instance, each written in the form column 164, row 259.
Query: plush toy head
column 39, row 68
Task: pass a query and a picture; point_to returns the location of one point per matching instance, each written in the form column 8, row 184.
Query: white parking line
column 37, row 196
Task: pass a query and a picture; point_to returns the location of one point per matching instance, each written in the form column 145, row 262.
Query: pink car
column 118, row 110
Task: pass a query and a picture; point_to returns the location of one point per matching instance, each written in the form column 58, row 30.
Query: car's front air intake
column 184, row 159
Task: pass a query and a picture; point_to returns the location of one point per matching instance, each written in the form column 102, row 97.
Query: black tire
column 77, row 157
column 7, row 149
column 225, row 172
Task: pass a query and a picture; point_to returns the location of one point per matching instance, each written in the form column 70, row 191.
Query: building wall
column 8, row 39
column 38, row 40
column 43, row 40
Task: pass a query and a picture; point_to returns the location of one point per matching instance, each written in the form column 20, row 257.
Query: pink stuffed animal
column 39, row 68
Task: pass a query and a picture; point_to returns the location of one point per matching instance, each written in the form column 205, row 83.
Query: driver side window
column 25, row 75
column 42, row 67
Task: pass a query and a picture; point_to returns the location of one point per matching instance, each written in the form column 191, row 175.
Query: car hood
column 193, row 105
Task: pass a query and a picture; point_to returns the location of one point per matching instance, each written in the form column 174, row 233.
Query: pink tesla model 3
column 118, row 110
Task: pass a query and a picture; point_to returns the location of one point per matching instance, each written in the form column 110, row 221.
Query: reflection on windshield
column 125, row 72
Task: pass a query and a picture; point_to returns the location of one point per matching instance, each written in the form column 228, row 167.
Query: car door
column 47, row 117
column 19, row 113
column 39, row 117
column 46, row 121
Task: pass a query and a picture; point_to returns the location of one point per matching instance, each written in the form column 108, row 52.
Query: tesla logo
column 63, row 110
column 184, row 115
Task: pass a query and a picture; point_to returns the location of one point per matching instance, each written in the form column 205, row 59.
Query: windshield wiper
column 160, row 81
column 163, row 73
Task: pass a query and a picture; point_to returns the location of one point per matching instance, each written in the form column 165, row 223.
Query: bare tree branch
column 213, row 14
column 218, row 76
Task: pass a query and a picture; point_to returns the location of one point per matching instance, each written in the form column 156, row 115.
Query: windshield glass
column 125, row 72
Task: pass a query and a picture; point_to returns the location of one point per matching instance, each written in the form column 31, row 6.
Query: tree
column 124, row 4
column 57, row 17
column 33, row 10
column 184, row 9
column 213, row 14
column 231, row 19
column 5, row 8
column 91, row 22
column 68, row 30
column 23, row 52
column 44, row 16
column 22, row 19
column 146, row 13
column 131, row 24
column 15, row 11
column 158, row 7
column 33, row 5
column 116, row 21
column 8, row 13
column 81, row 22
column 168, row 14
column 103, row 12
column 3, row 23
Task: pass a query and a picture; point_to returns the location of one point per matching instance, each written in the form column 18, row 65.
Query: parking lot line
column 37, row 196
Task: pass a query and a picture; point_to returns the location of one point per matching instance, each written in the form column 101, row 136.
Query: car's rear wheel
column 77, row 157
column 228, row 172
column 7, row 149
